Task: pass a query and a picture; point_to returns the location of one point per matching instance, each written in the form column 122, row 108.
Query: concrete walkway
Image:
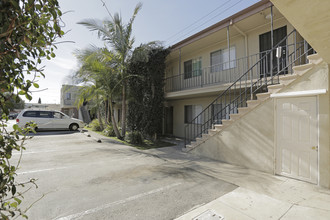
column 258, row 196
column 261, row 196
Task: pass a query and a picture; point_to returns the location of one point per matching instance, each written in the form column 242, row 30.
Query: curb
column 85, row 132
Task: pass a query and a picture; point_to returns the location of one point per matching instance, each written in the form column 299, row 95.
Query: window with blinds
column 220, row 59
column 192, row 68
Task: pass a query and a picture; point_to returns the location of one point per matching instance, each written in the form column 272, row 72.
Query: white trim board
column 299, row 93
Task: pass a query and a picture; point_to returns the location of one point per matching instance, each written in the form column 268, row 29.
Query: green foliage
column 145, row 108
column 109, row 131
column 28, row 29
column 13, row 101
column 95, row 125
column 118, row 36
column 134, row 137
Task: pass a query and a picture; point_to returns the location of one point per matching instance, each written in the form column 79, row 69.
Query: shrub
column 135, row 137
column 109, row 131
column 95, row 125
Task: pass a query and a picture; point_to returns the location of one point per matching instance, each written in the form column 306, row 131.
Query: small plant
column 109, row 131
column 134, row 137
column 95, row 125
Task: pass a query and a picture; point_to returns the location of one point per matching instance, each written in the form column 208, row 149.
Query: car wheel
column 74, row 127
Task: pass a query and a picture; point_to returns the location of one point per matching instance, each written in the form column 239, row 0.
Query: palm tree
column 120, row 39
column 97, row 68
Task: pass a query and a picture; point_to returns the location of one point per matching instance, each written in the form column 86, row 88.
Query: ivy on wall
column 146, row 84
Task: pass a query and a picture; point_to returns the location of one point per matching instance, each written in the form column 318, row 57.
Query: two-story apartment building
column 202, row 65
column 248, row 91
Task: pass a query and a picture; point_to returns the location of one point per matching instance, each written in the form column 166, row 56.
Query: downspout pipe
column 246, row 43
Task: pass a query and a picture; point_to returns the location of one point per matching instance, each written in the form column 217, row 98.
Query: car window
column 30, row 114
column 45, row 114
column 58, row 115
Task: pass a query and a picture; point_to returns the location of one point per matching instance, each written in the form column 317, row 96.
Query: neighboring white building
column 69, row 97
column 55, row 107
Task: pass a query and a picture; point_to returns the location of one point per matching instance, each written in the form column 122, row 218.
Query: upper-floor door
column 265, row 45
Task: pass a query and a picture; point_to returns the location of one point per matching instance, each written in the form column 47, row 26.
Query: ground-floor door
column 169, row 120
column 297, row 138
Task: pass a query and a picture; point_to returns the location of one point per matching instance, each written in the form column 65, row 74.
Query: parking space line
column 34, row 152
column 42, row 170
column 105, row 206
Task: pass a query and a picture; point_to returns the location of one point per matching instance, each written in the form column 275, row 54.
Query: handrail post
column 305, row 50
column 295, row 44
column 251, row 89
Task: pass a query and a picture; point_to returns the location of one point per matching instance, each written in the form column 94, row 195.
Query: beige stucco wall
column 249, row 143
column 178, row 112
column 318, row 78
column 246, row 142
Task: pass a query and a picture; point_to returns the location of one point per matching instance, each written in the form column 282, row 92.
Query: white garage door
column 297, row 135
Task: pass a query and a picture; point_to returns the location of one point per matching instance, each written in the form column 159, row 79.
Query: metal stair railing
column 254, row 80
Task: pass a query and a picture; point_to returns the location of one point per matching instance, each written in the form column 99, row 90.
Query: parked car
column 12, row 115
column 48, row 120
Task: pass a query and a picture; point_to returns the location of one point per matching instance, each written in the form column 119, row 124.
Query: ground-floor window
column 191, row 112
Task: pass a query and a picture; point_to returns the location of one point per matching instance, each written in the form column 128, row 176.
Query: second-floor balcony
column 228, row 72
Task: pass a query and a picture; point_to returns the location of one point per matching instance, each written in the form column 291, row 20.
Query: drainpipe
column 180, row 61
column 272, row 43
column 246, row 45
column 180, row 67
column 228, row 43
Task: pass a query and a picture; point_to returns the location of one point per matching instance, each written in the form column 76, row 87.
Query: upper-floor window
column 67, row 96
column 192, row 68
column 220, row 59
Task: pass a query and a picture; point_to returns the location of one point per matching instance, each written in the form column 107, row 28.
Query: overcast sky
column 168, row 21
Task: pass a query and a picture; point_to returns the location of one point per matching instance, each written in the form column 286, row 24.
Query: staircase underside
column 312, row 20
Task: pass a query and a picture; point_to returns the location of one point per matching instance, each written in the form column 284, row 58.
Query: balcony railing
column 264, row 72
column 229, row 72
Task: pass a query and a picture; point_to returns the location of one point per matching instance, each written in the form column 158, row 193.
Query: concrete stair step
column 288, row 76
column 226, row 122
column 243, row 110
column 212, row 131
column 263, row 96
column 315, row 59
column 275, row 88
column 205, row 136
column 218, row 127
column 235, row 117
column 252, row 103
column 301, row 69
column 199, row 140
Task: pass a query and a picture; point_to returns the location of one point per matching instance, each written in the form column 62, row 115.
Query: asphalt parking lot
column 79, row 178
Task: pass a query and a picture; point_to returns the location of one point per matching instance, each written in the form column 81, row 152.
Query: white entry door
column 297, row 138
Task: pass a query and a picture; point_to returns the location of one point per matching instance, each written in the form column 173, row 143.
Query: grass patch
column 147, row 144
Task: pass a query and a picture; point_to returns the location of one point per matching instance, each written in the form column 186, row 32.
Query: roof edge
column 253, row 9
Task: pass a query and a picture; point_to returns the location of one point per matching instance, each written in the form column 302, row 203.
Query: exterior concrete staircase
column 284, row 81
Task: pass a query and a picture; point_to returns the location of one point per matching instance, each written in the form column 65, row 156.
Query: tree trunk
column 99, row 112
column 123, row 109
column 107, row 111
column 114, row 123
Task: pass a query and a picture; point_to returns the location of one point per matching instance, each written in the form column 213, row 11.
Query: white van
column 48, row 120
